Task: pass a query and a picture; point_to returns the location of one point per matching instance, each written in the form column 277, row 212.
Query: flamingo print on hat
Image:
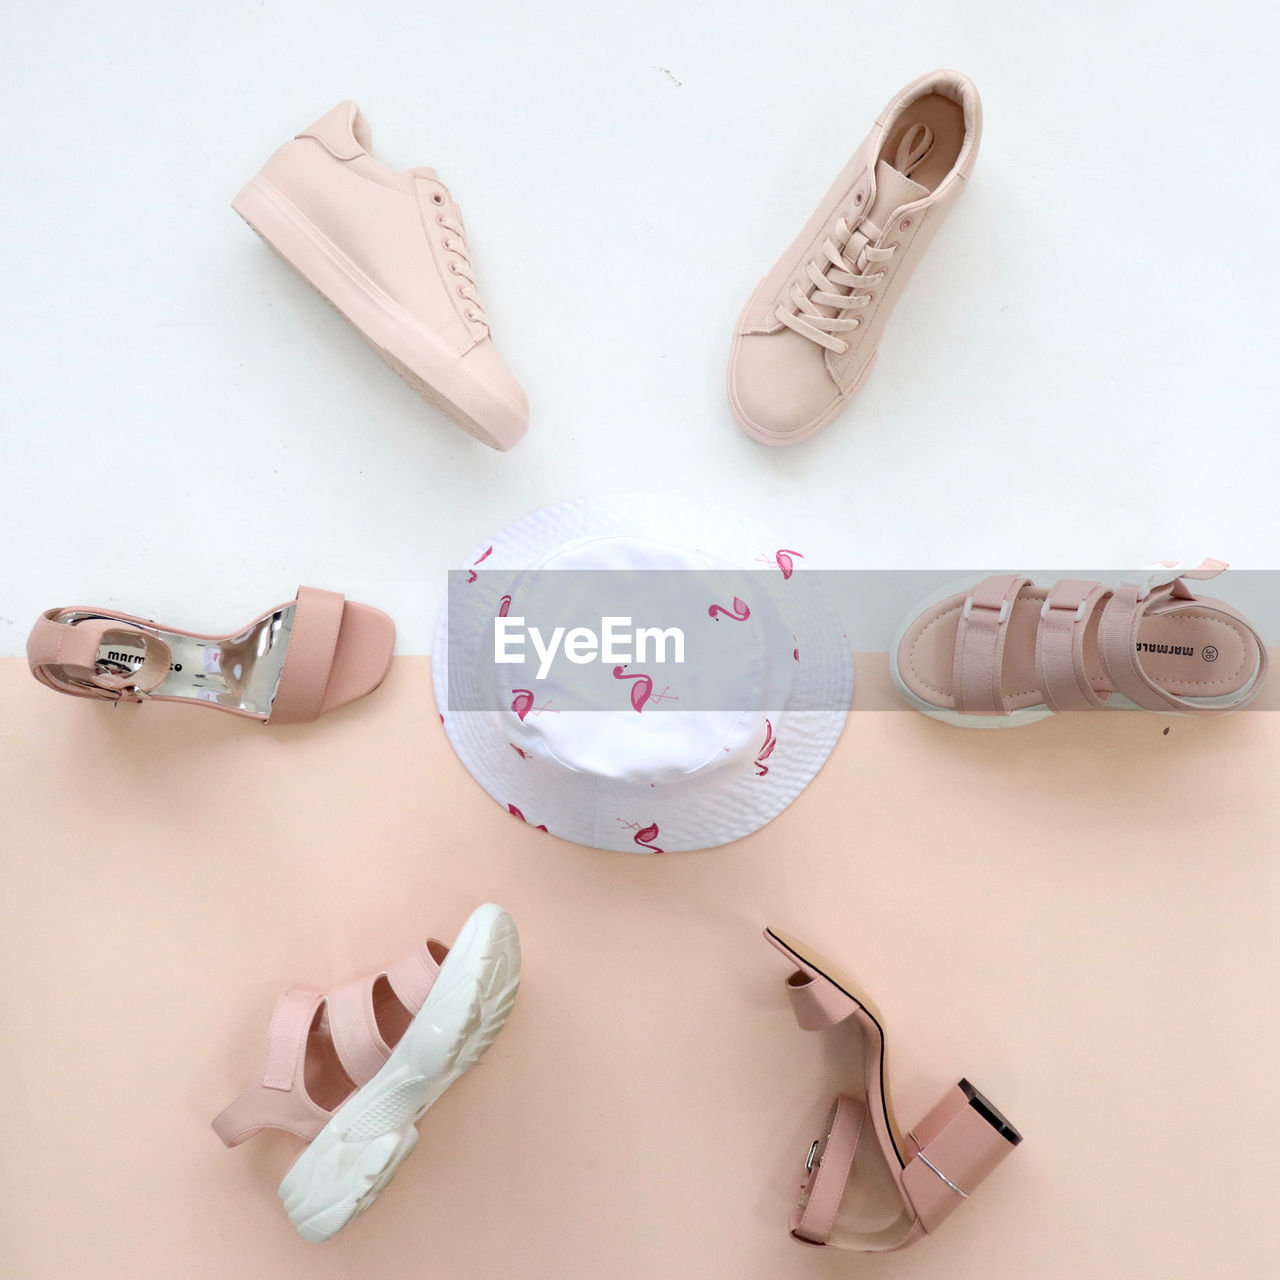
column 522, row 703
column 646, row 836
column 472, row 575
column 765, row 751
column 739, row 612
column 785, row 562
column 640, row 691
column 512, row 809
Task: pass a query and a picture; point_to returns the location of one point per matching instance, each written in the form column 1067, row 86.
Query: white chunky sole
column 356, row 1154
column 430, row 368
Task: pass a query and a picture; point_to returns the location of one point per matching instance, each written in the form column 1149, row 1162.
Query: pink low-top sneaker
column 351, row 1073
column 1005, row 652
column 808, row 337
column 388, row 249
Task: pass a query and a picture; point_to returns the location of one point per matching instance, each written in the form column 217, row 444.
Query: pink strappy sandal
column 931, row 1169
column 352, row 1072
column 1006, row 652
column 290, row 665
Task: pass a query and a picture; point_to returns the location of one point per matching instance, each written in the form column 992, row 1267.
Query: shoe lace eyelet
column 904, row 224
column 858, row 198
column 437, row 197
column 453, row 266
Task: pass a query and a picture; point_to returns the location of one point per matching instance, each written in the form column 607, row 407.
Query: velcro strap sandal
column 288, row 666
column 351, row 1073
column 1006, row 652
column 869, row 1187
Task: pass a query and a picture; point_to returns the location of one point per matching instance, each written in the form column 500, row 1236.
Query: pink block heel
column 932, row 1167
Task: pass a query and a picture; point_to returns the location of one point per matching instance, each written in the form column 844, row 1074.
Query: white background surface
column 1082, row 372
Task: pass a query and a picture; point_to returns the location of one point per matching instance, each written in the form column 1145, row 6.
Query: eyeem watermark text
column 617, row 642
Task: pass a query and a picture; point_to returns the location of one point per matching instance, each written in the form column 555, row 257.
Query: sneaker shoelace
column 844, row 282
column 850, row 254
column 460, row 265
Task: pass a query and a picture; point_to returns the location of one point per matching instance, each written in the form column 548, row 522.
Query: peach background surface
column 1080, row 916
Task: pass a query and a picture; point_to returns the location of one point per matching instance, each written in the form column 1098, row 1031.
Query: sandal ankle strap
column 829, row 1166
column 62, row 652
column 278, row 1097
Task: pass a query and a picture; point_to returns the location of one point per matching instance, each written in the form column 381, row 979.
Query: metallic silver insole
column 242, row 671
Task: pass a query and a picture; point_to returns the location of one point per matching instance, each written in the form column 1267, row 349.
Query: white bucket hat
column 652, row 754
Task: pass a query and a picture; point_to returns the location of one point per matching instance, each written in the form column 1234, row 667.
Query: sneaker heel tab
column 956, row 1146
column 343, row 132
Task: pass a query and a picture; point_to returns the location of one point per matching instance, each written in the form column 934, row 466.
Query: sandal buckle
column 970, row 606
column 1078, row 611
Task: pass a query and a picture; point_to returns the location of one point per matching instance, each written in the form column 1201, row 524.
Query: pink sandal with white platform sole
column 352, row 1072
column 1006, row 652
column 290, row 665
column 931, row 1170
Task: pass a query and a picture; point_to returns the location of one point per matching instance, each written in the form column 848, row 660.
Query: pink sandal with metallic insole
column 288, row 666
column 1006, row 652
column 931, row 1169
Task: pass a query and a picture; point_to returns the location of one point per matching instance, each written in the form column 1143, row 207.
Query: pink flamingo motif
column 785, row 562
column 666, row 695
column 504, row 606
column 524, row 755
column 795, row 653
column 640, row 691
column 765, row 751
column 522, row 703
column 739, row 613
column 646, row 836
column 472, row 575
column 512, row 809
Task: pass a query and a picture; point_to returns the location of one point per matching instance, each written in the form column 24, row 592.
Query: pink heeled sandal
column 931, row 1169
column 288, row 666
column 352, row 1072
column 1006, row 652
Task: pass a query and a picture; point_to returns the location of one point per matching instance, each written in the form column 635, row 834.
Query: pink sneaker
column 388, row 249
column 808, row 337
column 353, row 1072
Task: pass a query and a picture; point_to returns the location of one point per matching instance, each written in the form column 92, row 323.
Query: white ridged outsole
column 354, row 1156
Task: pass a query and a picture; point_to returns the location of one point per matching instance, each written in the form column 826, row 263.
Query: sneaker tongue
column 893, row 190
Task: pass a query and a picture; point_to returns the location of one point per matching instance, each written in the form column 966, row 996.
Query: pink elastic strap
column 1060, row 664
column 287, row 1038
column 414, row 974
column 313, row 641
column 278, row 1098
column 1117, row 647
column 980, row 638
column 813, row 1219
column 353, row 1027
